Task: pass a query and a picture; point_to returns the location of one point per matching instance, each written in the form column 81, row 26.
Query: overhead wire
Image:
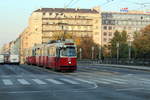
column 69, row 3
column 75, row 2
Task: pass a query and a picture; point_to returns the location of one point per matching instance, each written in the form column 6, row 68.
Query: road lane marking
column 102, row 82
column 118, row 79
column 113, row 81
column 7, row 82
column 39, row 81
column 54, row 81
column 89, row 82
column 69, row 81
column 85, row 81
column 23, row 82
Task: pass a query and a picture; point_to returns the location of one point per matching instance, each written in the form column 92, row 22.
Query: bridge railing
column 122, row 61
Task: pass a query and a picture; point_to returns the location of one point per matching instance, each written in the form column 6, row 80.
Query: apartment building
column 79, row 22
column 131, row 21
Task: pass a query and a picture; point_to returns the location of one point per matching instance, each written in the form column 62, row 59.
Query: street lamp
column 80, row 53
column 117, row 45
column 100, row 53
column 93, row 52
column 129, row 52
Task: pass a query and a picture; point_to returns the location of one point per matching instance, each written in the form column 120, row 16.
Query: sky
column 14, row 14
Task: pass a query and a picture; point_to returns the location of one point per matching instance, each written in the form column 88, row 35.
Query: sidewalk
column 127, row 66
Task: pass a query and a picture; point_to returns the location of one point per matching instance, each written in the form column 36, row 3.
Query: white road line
column 69, row 81
column 98, row 81
column 113, row 81
column 118, row 79
column 7, row 82
column 54, row 81
column 23, row 82
column 85, row 81
column 39, row 81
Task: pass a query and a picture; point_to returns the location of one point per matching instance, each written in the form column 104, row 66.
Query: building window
column 105, row 27
column 105, row 40
column 44, row 13
column 110, row 28
column 110, row 33
column 105, row 34
column 50, row 13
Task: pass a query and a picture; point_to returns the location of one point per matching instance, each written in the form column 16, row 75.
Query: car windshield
column 68, row 52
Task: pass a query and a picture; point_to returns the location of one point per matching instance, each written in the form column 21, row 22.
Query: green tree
column 120, row 38
column 141, row 43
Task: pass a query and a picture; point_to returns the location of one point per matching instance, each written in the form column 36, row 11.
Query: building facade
column 132, row 21
column 79, row 22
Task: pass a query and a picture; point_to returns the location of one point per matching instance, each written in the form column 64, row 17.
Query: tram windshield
column 69, row 52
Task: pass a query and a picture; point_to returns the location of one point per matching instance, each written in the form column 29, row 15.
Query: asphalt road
column 89, row 82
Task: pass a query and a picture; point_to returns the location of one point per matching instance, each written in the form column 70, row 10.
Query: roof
column 67, row 10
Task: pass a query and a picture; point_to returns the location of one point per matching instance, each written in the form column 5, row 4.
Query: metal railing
column 122, row 61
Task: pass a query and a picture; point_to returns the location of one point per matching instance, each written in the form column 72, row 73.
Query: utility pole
column 93, row 52
column 129, row 55
column 100, row 53
column 117, row 45
column 80, row 50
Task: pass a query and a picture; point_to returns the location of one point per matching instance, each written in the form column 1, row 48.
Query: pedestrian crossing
column 23, row 82
column 7, row 82
column 73, row 81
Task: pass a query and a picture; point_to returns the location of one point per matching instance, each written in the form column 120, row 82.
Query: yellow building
column 79, row 22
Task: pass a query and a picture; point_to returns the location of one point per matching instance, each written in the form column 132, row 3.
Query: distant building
column 131, row 21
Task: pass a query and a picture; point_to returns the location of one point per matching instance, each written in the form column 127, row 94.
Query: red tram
column 57, row 55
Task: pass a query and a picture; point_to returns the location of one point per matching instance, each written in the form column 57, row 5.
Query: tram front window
column 69, row 52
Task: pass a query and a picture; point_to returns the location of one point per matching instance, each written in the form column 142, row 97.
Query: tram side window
column 33, row 53
column 52, row 52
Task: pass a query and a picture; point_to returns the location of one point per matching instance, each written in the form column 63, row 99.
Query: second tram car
column 58, row 55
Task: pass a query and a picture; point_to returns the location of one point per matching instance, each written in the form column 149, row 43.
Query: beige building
column 131, row 21
column 28, row 39
column 79, row 22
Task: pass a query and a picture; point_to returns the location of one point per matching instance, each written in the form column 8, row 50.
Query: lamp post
column 100, row 53
column 117, row 45
column 93, row 52
column 80, row 53
column 129, row 51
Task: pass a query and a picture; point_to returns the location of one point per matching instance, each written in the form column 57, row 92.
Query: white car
column 14, row 59
column 1, row 59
